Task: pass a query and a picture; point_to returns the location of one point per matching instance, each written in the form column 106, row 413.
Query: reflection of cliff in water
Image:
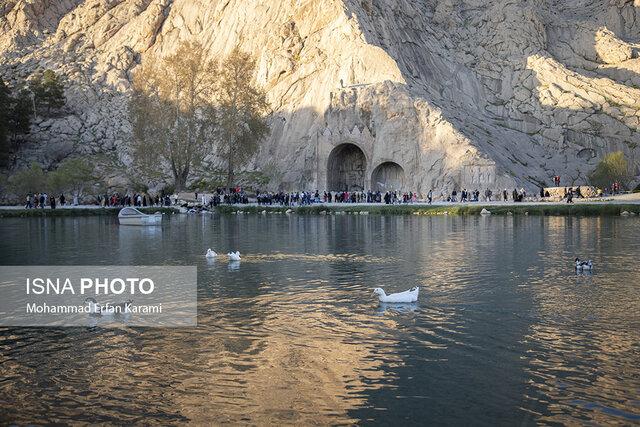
column 294, row 336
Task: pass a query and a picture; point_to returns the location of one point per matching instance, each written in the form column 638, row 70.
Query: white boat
column 132, row 216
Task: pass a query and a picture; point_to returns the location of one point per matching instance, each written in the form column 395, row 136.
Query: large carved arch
column 387, row 176
column 346, row 168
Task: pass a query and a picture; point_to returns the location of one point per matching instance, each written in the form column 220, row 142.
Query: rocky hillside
column 476, row 93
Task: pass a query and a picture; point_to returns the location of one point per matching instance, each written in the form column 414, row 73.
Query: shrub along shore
column 578, row 209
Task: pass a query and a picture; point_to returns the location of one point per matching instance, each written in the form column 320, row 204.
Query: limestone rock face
column 408, row 94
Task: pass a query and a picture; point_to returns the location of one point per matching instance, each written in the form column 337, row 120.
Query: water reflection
column 385, row 307
column 504, row 331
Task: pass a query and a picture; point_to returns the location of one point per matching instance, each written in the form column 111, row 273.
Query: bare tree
column 242, row 111
column 172, row 112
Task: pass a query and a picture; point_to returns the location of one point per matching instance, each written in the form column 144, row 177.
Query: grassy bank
column 582, row 209
column 73, row 212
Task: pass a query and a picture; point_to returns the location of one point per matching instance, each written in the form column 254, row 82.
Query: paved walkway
column 633, row 198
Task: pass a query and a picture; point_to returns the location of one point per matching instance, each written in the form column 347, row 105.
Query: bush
column 169, row 189
column 612, row 168
column 205, row 184
column 73, row 175
column 28, row 180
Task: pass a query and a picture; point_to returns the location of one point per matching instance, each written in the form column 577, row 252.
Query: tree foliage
column 15, row 119
column 20, row 113
column 29, row 180
column 72, row 175
column 5, row 108
column 184, row 106
column 48, row 92
column 242, row 111
column 171, row 112
column 612, row 168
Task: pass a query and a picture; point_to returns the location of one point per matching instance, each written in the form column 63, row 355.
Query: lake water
column 504, row 331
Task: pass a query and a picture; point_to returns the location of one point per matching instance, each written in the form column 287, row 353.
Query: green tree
column 612, row 168
column 72, row 175
column 4, row 184
column 36, row 88
column 172, row 112
column 242, row 112
column 29, row 180
column 15, row 119
column 48, row 92
column 5, row 110
column 20, row 114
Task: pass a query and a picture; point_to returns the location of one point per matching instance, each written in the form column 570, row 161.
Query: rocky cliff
column 432, row 93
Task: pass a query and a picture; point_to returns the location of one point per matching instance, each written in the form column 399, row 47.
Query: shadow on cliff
column 50, row 139
column 514, row 139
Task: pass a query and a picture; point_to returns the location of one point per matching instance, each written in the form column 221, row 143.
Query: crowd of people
column 301, row 198
column 465, row 196
column 135, row 199
column 235, row 196
column 614, row 189
column 41, row 200
column 239, row 195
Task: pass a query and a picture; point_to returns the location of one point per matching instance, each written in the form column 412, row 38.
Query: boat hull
column 155, row 219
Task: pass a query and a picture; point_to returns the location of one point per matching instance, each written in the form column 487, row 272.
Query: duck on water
column 401, row 297
column 583, row 265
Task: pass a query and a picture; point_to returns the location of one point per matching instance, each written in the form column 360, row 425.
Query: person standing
column 570, row 196
column 52, row 202
column 42, row 199
column 430, row 196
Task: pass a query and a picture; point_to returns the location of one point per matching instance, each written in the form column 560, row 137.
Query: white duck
column 234, row 256
column 401, row 297
column 583, row 265
column 94, row 308
column 211, row 254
